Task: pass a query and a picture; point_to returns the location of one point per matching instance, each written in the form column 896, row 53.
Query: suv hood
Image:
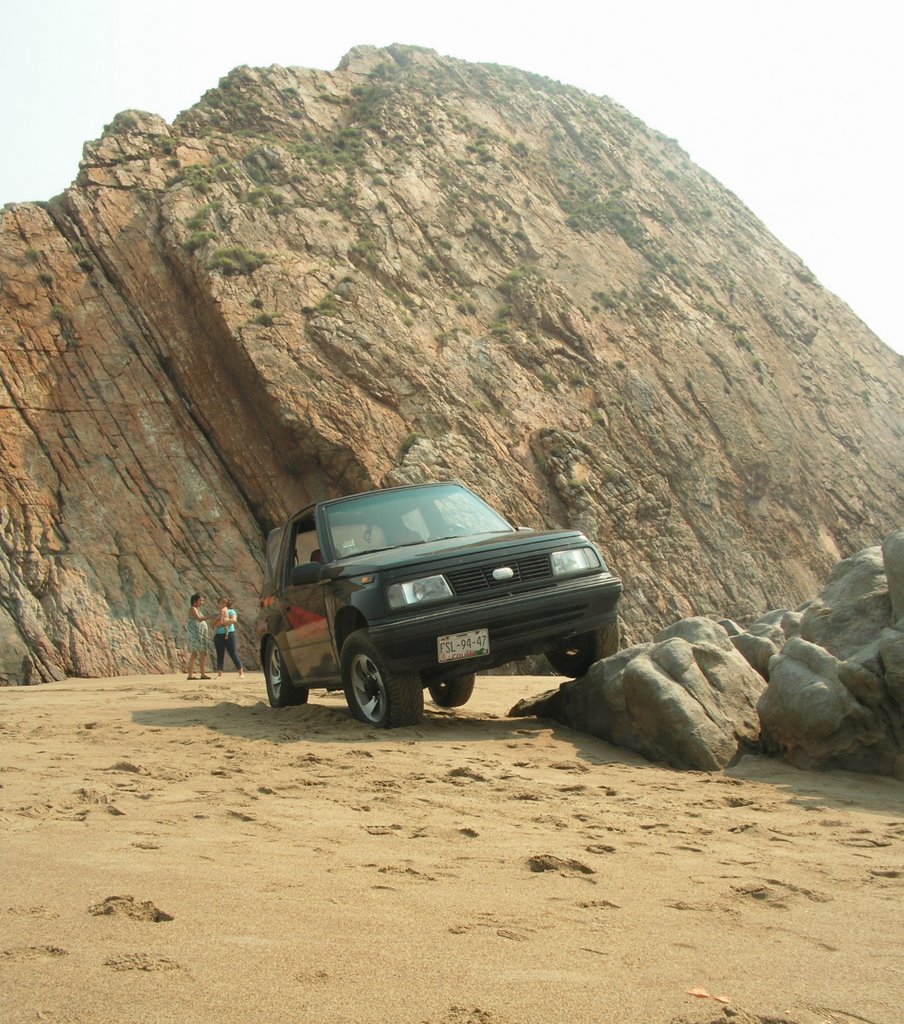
column 517, row 543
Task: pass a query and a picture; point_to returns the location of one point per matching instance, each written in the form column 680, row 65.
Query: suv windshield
column 415, row 515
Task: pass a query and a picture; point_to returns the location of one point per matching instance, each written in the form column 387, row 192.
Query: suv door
column 308, row 642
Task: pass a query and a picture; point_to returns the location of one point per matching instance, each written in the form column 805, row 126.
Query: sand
column 176, row 851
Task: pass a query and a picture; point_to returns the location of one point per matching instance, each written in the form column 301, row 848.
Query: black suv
column 385, row 593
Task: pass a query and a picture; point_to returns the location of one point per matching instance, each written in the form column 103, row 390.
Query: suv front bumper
column 519, row 624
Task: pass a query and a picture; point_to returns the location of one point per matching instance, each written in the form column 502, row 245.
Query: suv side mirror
column 307, row 572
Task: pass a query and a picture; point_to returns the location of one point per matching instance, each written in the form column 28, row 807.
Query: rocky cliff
column 413, row 268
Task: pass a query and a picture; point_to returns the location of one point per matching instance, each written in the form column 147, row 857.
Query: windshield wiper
column 388, row 547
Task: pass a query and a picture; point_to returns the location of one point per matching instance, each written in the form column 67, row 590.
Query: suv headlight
column 573, row 560
column 422, row 591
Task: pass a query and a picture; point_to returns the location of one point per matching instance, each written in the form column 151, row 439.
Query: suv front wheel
column 575, row 656
column 452, row 693
column 374, row 693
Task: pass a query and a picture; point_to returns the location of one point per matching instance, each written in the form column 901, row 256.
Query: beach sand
column 178, row 851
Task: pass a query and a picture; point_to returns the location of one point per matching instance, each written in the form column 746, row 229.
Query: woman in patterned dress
column 198, row 637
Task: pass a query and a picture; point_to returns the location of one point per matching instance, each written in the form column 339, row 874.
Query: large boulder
column 689, row 698
column 822, row 686
column 813, row 718
column 852, row 608
column 763, row 639
column 835, row 694
column 15, row 665
column 893, row 559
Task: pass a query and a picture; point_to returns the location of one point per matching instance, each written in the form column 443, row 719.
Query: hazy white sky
column 795, row 106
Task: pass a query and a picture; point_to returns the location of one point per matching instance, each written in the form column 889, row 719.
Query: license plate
column 457, row 646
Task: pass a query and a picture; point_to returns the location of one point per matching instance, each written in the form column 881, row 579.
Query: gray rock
column 853, row 607
column 791, row 622
column 836, row 694
column 891, row 651
column 15, row 663
column 688, row 699
column 757, row 651
column 813, row 718
column 770, row 625
column 893, row 557
column 697, row 630
column 862, row 675
column 695, row 697
column 763, row 639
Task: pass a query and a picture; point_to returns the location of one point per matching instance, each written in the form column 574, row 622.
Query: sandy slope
column 171, row 853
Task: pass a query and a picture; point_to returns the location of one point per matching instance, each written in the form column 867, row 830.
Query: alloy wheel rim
column 367, row 685
column 275, row 673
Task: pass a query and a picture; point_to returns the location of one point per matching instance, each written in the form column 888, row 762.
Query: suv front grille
column 476, row 578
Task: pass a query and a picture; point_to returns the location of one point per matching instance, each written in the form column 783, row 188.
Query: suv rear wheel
column 280, row 692
column 575, row 656
column 374, row 693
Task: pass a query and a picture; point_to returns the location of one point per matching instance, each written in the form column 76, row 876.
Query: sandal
column 191, row 677
column 204, row 677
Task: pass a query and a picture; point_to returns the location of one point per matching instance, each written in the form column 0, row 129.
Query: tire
column 280, row 691
column 452, row 693
column 575, row 656
column 374, row 693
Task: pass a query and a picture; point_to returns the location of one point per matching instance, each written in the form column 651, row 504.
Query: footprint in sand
column 408, row 872
column 128, row 906
column 776, row 894
column 36, row 911
column 78, row 809
column 465, row 1015
column 310, row 977
column 94, row 798
column 550, row 820
column 885, row 872
column 513, row 934
column 864, row 840
column 18, row 953
column 574, row 767
column 127, row 766
column 563, row 865
column 466, row 773
column 141, row 962
column 600, row 848
column 741, row 801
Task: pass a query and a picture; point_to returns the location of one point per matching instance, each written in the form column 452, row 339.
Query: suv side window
column 274, row 543
column 304, row 545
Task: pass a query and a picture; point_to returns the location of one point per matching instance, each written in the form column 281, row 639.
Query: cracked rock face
column 413, row 268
